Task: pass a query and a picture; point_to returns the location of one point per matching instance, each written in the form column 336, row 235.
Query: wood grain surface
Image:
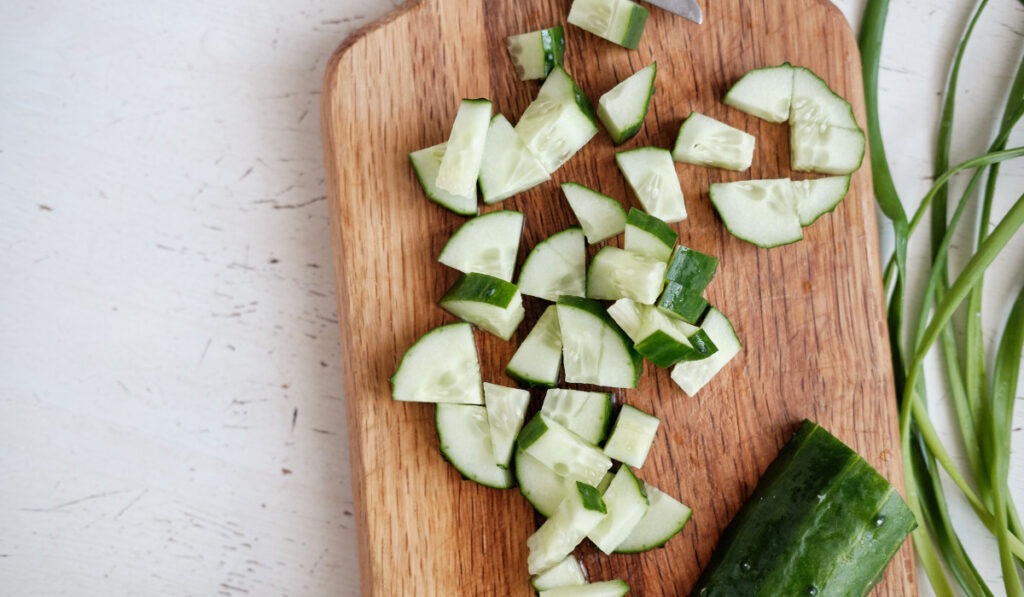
column 810, row 315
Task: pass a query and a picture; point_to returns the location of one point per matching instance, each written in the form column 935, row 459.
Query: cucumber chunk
column 764, row 92
column 426, row 162
column 680, row 302
column 821, row 521
column 627, row 504
column 562, row 451
column 618, row 21
column 691, row 269
column 628, row 315
column 423, row 377
column 464, row 153
column 815, row 147
column 691, row 376
column 508, row 167
column 818, row 196
column 487, row 302
column 464, row 436
column 506, row 412
column 606, row 588
column 616, row 273
column 758, row 211
column 647, row 235
column 556, row 266
column 538, row 360
column 576, row 516
column 705, row 141
column 622, row 108
column 534, row 54
column 567, row 573
column 594, row 349
column 665, row 340
column 587, row 414
column 664, row 519
column 814, row 101
column 600, row 216
column 485, row 244
column 541, row 486
column 558, row 122
column 652, row 176
column 632, row 436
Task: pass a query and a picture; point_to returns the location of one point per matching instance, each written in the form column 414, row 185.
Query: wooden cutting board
column 810, row 315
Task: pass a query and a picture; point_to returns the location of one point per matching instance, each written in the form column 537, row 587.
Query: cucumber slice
column 594, row 349
column 652, row 176
column 563, row 451
column 632, row 436
column 423, row 377
column 763, row 92
column 758, row 211
column 534, row 54
column 622, row 108
column 487, row 302
column 426, row 163
column 460, row 165
column 818, row 196
column 538, row 360
column 506, row 412
column 664, row 519
column 815, row 147
column 821, row 521
column 541, row 486
column 680, row 302
column 558, row 122
column 600, row 216
column 628, row 315
column 607, row 588
column 647, row 235
column 814, row 101
column 616, row 273
column 485, row 244
column 627, row 504
column 508, row 167
column 705, row 141
column 691, row 376
column 691, row 269
column 618, row 21
column 586, row 414
column 557, row 265
column 567, row 573
column 665, row 340
column 464, row 437
column 576, row 516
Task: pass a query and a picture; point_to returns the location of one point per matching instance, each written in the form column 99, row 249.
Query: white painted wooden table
column 171, row 414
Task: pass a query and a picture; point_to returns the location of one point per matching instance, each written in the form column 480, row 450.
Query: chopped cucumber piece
column 647, row 235
column 566, row 573
column 629, row 316
column 423, row 377
column 587, row 414
column 558, row 122
column 662, row 338
column 815, row 147
column 705, row 141
column 818, row 196
column 538, row 360
column 605, row 482
column 506, row 411
column 464, row 153
column 486, row 244
column 541, row 486
column 618, row 21
column 691, row 269
column 652, row 176
column 679, row 301
column 508, row 167
column 534, row 54
column 616, row 273
column 691, row 376
column 632, row 436
column 607, row 588
column 556, row 266
column 814, row 101
column 594, row 349
column 426, row 163
column 627, row 504
column 576, row 516
column 464, row 437
column 763, row 92
column 622, row 108
column 758, row 211
column 561, row 450
column 487, row 302
column 666, row 517
column 600, row 216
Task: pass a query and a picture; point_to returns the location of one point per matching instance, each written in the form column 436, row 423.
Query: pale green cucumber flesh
column 616, row 273
column 763, row 92
column 691, row 376
column 421, row 377
column 664, row 519
column 556, row 266
column 508, row 167
column 622, row 109
column 594, row 349
column 705, row 141
column 599, row 215
column 632, row 436
column 465, row 441
column 464, row 151
column 486, row 244
column 651, row 174
column 758, row 211
column 538, row 360
column 426, row 163
column 587, row 414
column 506, row 413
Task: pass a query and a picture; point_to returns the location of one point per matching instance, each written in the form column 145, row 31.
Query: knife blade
column 685, row 8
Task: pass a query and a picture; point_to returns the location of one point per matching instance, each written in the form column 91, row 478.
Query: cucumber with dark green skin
column 691, row 269
column 821, row 522
column 688, row 306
